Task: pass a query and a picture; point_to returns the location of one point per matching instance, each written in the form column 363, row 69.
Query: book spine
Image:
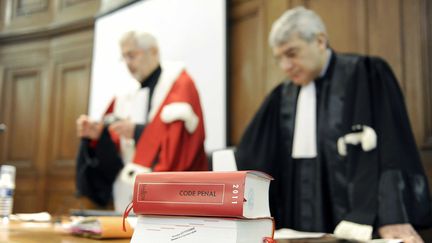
column 211, row 197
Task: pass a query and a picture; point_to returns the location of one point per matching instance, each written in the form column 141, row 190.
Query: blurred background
column 46, row 58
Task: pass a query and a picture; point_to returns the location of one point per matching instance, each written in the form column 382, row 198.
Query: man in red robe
column 159, row 127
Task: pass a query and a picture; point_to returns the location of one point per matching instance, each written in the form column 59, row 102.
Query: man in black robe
column 336, row 138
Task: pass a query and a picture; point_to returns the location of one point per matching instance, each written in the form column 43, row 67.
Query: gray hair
column 144, row 40
column 304, row 22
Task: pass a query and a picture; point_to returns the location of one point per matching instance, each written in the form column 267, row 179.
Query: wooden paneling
column 71, row 63
column 384, row 32
column 72, row 10
column 44, row 84
column 23, row 95
column 345, row 21
column 22, row 107
column 29, row 7
column 273, row 74
column 29, row 192
column 413, row 69
column 426, row 41
column 31, row 19
column 61, row 195
column 72, row 81
column 246, row 57
column 27, row 13
column 72, row 3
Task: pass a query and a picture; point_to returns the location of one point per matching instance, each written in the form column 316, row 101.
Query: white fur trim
column 180, row 111
column 341, row 146
column 367, row 138
column 353, row 231
column 170, row 73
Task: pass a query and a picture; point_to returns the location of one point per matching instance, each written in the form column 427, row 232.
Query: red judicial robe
column 172, row 140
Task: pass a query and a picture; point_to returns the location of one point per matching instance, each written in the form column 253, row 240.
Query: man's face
column 140, row 62
column 301, row 61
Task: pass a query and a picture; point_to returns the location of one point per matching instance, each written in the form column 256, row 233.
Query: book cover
column 242, row 194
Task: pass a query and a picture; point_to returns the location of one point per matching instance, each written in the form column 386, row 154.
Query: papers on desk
column 386, row 241
column 103, row 227
column 32, row 217
column 289, row 234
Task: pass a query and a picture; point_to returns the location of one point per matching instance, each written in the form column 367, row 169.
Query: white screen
column 190, row 31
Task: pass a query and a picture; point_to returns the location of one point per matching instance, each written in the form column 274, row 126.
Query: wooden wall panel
column 345, row 22
column 384, row 32
column 71, row 63
column 426, row 41
column 61, row 196
column 28, row 19
column 412, row 67
column 55, row 66
column 23, row 94
column 29, row 7
column 246, row 57
column 72, row 82
column 273, row 74
column 21, row 106
column 25, row 13
column 72, row 10
column 29, row 192
column 76, row 77
column 22, row 100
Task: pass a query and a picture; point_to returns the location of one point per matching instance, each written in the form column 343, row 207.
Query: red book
column 241, row 194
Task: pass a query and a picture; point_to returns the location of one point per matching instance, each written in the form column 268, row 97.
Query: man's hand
column 124, row 128
column 87, row 128
column 400, row 231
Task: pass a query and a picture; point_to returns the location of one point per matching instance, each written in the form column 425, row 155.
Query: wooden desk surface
column 15, row 232
column 42, row 232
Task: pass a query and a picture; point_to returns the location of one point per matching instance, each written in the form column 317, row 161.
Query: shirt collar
column 327, row 63
column 152, row 79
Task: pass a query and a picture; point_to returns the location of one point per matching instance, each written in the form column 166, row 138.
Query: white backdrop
column 190, row 31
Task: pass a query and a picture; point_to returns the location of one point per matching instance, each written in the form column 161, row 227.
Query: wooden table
column 42, row 232
column 16, row 232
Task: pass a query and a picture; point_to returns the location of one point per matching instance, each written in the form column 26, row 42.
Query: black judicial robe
column 93, row 179
column 386, row 185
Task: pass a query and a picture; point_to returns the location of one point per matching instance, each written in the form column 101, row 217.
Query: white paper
column 224, row 160
column 36, row 217
column 353, row 231
column 179, row 229
column 294, row 234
